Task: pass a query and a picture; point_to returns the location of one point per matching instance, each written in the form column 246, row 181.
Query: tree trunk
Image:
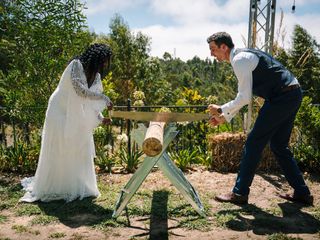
column 153, row 141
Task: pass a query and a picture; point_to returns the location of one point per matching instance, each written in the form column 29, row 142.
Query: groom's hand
column 216, row 120
column 213, row 109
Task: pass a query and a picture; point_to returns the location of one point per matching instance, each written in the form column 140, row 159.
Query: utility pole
column 260, row 35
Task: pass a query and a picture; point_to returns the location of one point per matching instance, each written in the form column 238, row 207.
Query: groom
column 260, row 74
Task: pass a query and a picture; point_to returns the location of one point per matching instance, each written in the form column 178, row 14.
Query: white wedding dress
column 66, row 169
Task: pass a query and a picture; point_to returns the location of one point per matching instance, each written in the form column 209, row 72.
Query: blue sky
column 181, row 27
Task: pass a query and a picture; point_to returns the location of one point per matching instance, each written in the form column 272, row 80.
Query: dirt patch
column 265, row 214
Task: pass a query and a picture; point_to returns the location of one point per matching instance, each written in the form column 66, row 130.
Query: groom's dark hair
column 221, row 37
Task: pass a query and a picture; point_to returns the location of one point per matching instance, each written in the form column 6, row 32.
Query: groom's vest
column 270, row 76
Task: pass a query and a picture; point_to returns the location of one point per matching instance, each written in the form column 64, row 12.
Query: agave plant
column 19, row 157
column 105, row 159
column 204, row 157
column 131, row 160
column 183, row 158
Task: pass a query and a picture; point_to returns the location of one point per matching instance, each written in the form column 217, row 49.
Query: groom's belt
column 289, row 88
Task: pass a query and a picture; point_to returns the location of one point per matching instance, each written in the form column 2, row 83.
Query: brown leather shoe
column 232, row 198
column 305, row 199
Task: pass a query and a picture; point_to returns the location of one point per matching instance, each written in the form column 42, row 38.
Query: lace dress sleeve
column 80, row 85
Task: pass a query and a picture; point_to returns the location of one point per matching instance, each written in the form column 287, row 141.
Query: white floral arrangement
column 138, row 95
column 123, row 138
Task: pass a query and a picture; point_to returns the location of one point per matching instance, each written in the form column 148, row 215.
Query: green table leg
column 164, row 162
column 176, row 177
column 140, row 175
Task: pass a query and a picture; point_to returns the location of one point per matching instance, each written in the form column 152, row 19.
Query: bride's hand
column 110, row 106
column 106, row 121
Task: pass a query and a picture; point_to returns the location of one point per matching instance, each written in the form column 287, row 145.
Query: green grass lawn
column 153, row 207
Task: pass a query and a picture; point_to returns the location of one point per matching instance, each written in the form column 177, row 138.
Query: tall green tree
column 130, row 58
column 304, row 62
column 157, row 89
column 39, row 38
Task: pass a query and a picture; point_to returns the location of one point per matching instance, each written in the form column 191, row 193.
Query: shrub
column 130, row 161
column 307, row 149
column 184, row 158
column 20, row 157
column 105, row 159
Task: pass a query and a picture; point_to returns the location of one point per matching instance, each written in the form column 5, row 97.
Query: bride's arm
column 81, row 87
column 104, row 120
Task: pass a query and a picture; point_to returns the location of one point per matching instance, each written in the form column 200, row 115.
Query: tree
column 130, row 57
column 39, row 38
column 304, row 62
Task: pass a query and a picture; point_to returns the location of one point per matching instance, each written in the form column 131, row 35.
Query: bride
column 65, row 169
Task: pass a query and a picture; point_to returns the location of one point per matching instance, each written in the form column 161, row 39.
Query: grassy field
column 159, row 211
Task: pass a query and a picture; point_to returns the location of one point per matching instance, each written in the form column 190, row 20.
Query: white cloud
column 306, row 21
column 199, row 11
column 190, row 22
column 310, row 23
column 298, row 3
column 197, row 19
column 100, row 6
column 188, row 42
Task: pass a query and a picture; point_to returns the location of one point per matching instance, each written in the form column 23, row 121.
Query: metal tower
column 260, row 36
column 261, row 24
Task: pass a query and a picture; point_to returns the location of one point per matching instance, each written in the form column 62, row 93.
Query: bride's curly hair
column 93, row 60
